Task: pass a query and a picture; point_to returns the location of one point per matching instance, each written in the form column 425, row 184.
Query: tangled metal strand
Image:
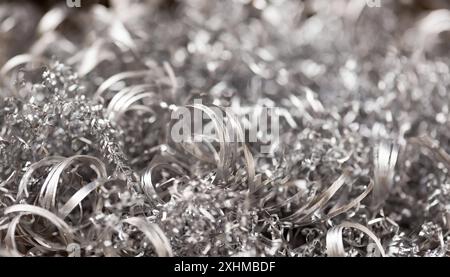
column 48, row 161
column 47, row 195
column 86, row 103
column 154, row 234
column 385, row 158
column 335, row 245
column 24, row 209
column 303, row 215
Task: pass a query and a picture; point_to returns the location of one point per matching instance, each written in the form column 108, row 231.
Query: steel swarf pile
column 358, row 166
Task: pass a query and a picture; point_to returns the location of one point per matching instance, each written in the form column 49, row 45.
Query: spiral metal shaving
column 361, row 166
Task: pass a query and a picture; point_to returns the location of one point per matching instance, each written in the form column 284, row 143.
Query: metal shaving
column 357, row 163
